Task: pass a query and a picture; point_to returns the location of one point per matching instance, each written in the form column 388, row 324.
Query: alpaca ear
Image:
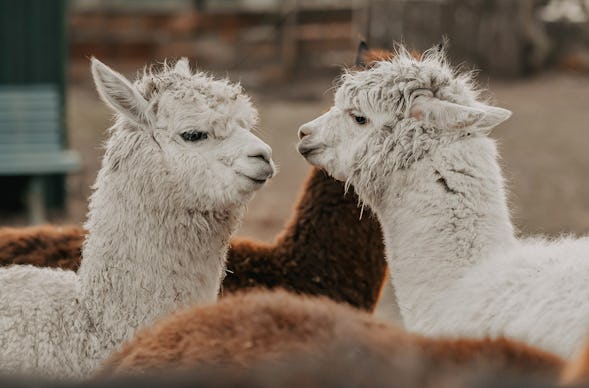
column 448, row 115
column 118, row 93
column 367, row 57
column 183, row 67
column 361, row 54
column 493, row 116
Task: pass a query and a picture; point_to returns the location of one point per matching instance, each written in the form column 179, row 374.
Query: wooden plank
column 29, row 121
column 39, row 163
column 13, row 139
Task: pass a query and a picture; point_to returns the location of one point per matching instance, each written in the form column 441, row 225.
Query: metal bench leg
column 36, row 200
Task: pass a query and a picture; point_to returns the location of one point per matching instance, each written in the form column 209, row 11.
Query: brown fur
column 261, row 326
column 42, row 246
column 367, row 57
column 375, row 55
column 326, row 249
column 351, row 366
column 577, row 369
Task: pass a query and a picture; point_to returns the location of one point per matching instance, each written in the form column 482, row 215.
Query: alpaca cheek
column 335, row 166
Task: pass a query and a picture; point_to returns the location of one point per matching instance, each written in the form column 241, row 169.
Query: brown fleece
column 374, row 55
column 270, row 326
column 367, row 57
column 42, row 246
column 326, row 249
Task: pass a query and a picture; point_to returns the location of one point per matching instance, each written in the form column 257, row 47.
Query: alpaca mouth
column 307, row 151
column 256, row 180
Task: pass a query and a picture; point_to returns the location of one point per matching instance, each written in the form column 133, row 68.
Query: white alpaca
column 410, row 136
column 178, row 169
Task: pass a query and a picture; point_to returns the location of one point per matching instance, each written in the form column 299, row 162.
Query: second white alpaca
column 178, row 169
column 411, row 136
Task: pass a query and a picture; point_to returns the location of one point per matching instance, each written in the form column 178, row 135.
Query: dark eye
column 360, row 120
column 194, row 135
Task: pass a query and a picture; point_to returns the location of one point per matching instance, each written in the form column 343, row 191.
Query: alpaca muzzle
column 307, row 150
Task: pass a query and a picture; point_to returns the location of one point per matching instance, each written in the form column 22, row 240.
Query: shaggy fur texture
column 159, row 222
column 245, row 329
column 42, row 246
column 325, row 249
column 350, row 365
column 411, row 136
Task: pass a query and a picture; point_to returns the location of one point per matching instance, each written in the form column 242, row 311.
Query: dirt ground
column 544, row 148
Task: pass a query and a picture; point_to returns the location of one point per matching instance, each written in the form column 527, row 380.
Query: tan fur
column 262, row 326
column 325, row 249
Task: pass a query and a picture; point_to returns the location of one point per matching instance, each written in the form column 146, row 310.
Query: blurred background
column 533, row 56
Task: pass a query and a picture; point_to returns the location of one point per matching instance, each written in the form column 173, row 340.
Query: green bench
column 31, row 140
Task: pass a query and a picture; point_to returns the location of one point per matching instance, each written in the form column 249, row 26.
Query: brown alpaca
column 343, row 366
column 42, row 246
column 270, row 326
column 326, row 249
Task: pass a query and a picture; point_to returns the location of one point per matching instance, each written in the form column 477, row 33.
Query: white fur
column 159, row 223
column 423, row 162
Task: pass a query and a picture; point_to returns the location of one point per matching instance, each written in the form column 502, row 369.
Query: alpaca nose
column 304, row 130
column 262, row 151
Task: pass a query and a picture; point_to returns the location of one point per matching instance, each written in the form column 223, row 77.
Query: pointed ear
column 361, row 54
column 448, row 115
column 493, row 115
column 183, row 67
column 118, row 93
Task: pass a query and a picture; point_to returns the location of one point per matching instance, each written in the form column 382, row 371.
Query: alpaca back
column 42, row 246
column 262, row 326
column 536, row 292
column 240, row 329
column 42, row 328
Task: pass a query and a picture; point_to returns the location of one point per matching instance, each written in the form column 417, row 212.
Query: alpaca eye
column 194, row 135
column 360, row 120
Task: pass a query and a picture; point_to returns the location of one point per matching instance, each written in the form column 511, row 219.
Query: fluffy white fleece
column 164, row 206
column 411, row 136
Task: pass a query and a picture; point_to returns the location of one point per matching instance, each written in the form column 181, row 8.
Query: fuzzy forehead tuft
column 391, row 84
column 221, row 104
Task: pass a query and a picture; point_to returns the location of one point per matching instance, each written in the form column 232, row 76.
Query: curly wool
column 391, row 85
column 159, row 224
column 431, row 175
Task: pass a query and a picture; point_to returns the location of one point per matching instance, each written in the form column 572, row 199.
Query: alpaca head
column 391, row 115
column 184, row 136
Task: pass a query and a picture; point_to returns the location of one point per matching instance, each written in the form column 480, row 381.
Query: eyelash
column 194, row 136
column 360, row 120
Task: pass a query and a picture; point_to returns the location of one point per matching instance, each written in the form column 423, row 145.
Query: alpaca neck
column 440, row 217
column 143, row 258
